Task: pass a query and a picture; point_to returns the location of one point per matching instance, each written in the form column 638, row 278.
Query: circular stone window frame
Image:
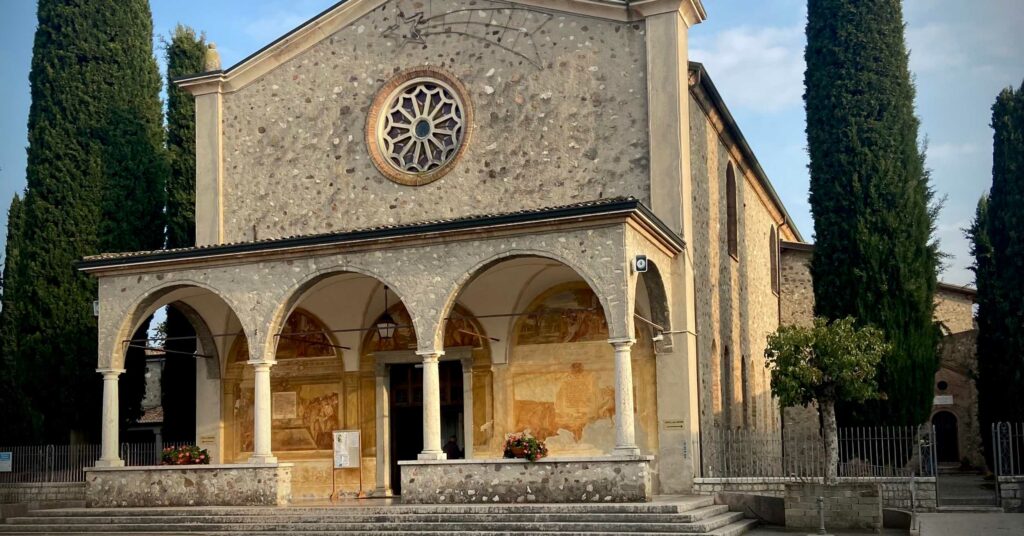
column 383, row 99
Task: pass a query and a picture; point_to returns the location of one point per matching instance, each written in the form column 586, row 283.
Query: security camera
column 640, row 264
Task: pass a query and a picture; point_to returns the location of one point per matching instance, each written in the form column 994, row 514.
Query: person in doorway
column 451, row 449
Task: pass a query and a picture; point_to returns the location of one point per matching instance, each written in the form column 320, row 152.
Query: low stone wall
column 551, row 480
column 895, row 490
column 847, row 505
column 42, row 492
column 1011, row 493
column 189, row 485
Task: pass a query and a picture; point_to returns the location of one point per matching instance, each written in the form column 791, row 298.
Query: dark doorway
column 947, row 441
column 406, row 404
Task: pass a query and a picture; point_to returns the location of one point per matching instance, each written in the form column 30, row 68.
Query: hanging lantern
column 386, row 325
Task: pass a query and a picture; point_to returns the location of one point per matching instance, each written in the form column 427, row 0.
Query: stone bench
column 602, row 479
column 189, row 485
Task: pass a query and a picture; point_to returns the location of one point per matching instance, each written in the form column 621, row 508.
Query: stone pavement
column 971, row 524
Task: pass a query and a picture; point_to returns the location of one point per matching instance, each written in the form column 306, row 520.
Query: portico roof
column 620, row 208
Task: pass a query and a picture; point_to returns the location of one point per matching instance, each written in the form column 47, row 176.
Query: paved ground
column 972, row 524
column 777, row 531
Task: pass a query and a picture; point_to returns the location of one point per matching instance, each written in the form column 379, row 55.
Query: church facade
column 425, row 220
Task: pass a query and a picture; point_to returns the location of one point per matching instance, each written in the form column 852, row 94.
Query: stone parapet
column 847, row 505
column 1011, row 493
column 896, row 491
column 554, row 480
column 189, row 485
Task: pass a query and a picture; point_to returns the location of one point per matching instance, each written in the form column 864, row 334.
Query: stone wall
column 736, row 307
column 195, row 485
column 895, row 491
column 42, row 492
column 1011, row 493
column 565, row 480
column 560, row 117
column 846, row 506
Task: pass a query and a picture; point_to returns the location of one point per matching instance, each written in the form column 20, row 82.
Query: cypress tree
column 998, row 248
column 95, row 181
column 875, row 258
column 186, row 53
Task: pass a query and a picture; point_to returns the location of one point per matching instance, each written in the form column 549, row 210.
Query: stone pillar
column 109, row 455
column 625, row 435
column 431, row 406
column 261, row 452
column 383, row 401
column 467, row 406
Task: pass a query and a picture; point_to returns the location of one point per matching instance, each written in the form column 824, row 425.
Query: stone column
column 625, row 436
column 431, row 407
column 261, row 413
column 383, row 402
column 467, row 406
column 109, row 455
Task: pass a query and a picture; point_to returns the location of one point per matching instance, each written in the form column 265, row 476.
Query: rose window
column 420, row 127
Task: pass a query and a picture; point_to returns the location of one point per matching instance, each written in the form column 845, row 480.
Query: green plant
column 185, row 455
column 524, row 445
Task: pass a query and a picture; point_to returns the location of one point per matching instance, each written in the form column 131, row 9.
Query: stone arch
column 657, row 298
column 618, row 328
column 294, row 295
column 731, row 211
column 111, row 347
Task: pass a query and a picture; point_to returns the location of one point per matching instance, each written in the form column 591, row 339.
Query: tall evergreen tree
column 96, row 176
column 875, row 258
column 20, row 419
column 998, row 248
column 186, row 53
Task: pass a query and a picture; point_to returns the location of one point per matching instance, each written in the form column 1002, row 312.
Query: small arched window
column 773, row 243
column 730, row 211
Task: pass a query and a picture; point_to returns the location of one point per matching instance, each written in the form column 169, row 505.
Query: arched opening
column 947, row 437
column 732, row 225
column 773, row 256
column 169, row 393
column 553, row 366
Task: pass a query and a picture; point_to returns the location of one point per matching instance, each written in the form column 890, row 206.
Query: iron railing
column 67, row 463
column 866, row 452
column 1008, row 448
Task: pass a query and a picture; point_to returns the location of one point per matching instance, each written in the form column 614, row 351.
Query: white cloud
column 948, row 151
column 935, row 46
column 759, row 68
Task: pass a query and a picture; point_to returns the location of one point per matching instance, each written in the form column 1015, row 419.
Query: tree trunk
column 829, row 435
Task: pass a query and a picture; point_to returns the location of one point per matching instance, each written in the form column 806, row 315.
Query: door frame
column 382, row 367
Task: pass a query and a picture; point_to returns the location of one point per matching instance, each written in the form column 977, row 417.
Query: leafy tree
column 186, row 53
column 95, row 181
column 998, row 248
column 825, row 364
column 875, row 258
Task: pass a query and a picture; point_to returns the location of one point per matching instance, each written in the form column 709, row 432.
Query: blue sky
column 962, row 55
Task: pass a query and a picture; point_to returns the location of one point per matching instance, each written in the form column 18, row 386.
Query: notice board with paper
column 346, row 449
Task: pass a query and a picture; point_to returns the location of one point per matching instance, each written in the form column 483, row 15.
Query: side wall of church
column 735, row 304
column 560, row 117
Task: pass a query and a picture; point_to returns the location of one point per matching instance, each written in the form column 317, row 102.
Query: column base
column 626, row 451
column 432, row 455
column 382, row 492
column 109, row 463
column 256, row 459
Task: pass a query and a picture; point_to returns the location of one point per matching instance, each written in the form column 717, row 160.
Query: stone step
column 700, row 527
column 341, row 516
column 734, row 529
column 489, row 509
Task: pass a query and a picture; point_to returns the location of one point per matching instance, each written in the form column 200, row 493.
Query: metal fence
column 880, row 451
column 1008, row 448
column 67, row 463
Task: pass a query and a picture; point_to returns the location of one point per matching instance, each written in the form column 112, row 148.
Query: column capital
column 467, row 363
column 380, row 369
column 430, row 355
column 622, row 344
column 262, row 365
column 109, row 373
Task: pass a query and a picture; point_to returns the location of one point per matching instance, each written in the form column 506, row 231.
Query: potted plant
column 524, row 445
column 185, row 455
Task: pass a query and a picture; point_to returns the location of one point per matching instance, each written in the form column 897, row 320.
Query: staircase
column 965, row 491
column 676, row 516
